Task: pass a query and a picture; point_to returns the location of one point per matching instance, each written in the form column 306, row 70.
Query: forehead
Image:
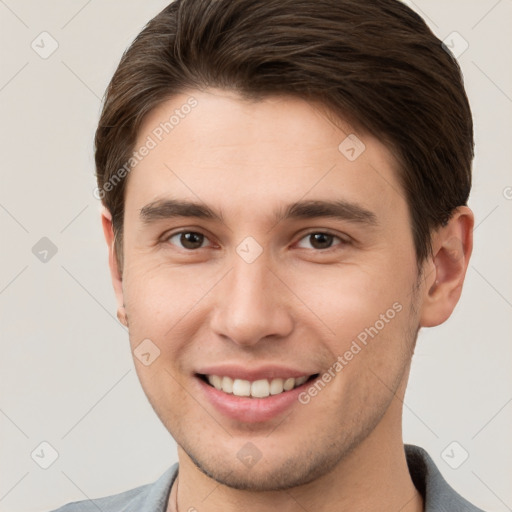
column 215, row 146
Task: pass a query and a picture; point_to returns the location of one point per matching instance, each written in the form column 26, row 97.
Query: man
column 285, row 188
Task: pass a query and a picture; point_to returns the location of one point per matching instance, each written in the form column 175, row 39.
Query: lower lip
column 251, row 410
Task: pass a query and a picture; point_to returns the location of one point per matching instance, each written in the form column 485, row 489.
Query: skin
column 296, row 304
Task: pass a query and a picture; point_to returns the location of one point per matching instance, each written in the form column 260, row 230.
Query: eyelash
column 342, row 241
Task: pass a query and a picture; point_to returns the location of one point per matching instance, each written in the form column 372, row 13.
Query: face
column 298, row 261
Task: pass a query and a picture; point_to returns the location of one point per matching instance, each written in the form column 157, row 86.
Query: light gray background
column 67, row 376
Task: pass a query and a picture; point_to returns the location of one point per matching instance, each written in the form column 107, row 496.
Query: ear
column 446, row 269
column 115, row 271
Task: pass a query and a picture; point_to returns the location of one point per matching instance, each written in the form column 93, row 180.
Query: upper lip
column 251, row 374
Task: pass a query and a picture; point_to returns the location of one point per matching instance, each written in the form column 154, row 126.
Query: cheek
column 367, row 322
column 163, row 303
column 151, row 288
column 347, row 298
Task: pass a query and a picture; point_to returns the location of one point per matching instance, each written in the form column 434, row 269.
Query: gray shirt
column 437, row 494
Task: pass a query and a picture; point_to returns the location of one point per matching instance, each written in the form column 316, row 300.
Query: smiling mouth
column 261, row 388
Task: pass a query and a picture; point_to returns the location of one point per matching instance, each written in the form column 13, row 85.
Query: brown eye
column 320, row 240
column 189, row 240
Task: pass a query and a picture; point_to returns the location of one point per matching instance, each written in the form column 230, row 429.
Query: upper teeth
column 257, row 389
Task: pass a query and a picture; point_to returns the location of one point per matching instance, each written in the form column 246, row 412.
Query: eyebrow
column 309, row 209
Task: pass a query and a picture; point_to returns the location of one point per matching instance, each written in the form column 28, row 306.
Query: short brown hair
column 375, row 64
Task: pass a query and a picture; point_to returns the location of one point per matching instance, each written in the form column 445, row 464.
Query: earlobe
column 115, row 271
column 451, row 247
column 121, row 316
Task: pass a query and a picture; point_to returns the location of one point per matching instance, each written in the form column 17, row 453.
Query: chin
column 268, row 475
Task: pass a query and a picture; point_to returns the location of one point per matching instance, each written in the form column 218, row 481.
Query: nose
column 252, row 304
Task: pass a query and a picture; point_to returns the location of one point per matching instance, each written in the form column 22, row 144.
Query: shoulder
column 149, row 497
column 437, row 493
column 114, row 503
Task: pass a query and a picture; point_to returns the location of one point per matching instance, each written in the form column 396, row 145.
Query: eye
column 189, row 240
column 321, row 240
